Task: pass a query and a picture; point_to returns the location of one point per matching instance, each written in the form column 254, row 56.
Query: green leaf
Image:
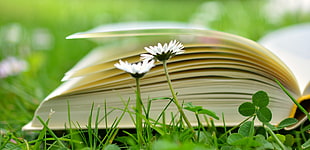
column 289, row 140
column 165, row 145
column 189, row 106
column 206, row 138
column 246, row 109
column 279, row 136
column 239, row 140
column 208, row 112
column 260, row 99
column 287, row 122
column 226, row 147
column 264, row 114
column 199, row 110
column 112, row 147
column 272, row 127
column 306, row 144
column 247, row 128
column 234, row 139
column 265, row 144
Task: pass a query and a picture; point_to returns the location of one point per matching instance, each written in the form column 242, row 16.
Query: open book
column 218, row 71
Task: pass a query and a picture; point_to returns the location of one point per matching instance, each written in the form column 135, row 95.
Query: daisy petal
column 165, row 51
column 146, row 57
column 137, row 70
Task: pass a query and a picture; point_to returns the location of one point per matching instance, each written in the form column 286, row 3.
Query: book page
column 222, row 95
column 99, row 55
column 292, row 46
column 201, row 58
column 307, row 90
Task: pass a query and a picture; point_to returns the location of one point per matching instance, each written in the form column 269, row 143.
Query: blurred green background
column 35, row 54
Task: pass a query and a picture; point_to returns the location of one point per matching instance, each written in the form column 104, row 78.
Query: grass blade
column 51, row 132
column 294, row 100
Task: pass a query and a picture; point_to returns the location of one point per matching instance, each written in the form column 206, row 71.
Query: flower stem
column 275, row 138
column 235, row 127
column 175, row 99
column 138, row 112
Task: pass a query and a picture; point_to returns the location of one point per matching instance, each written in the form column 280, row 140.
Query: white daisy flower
column 137, row 70
column 12, row 66
column 163, row 52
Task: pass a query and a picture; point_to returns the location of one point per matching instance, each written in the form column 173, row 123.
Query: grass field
column 34, row 32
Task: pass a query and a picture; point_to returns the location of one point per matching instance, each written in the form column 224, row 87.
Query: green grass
column 22, row 93
column 175, row 134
